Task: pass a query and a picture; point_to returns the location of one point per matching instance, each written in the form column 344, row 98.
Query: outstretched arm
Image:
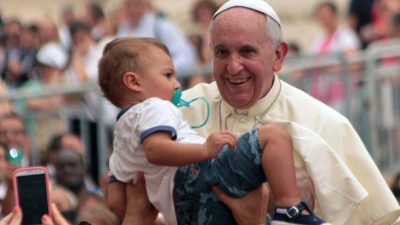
column 160, row 149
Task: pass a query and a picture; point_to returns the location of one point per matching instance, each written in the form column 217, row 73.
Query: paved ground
column 295, row 14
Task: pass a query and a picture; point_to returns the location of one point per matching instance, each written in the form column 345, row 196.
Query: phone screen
column 32, row 197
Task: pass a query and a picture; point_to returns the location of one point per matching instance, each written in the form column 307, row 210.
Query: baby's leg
column 278, row 165
column 116, row 199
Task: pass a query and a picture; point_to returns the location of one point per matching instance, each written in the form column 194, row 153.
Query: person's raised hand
column 217, row 140
column 13, row 218
column 247, row 210
column 57, row 219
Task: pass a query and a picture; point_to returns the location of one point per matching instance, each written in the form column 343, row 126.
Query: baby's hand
column 217, row 140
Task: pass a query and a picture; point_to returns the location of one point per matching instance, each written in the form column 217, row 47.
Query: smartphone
column 31, row 193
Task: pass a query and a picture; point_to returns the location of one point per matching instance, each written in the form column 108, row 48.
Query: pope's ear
column 280, row 54
column 132, row 81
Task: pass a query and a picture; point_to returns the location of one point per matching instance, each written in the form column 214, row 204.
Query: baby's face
column 158, row 75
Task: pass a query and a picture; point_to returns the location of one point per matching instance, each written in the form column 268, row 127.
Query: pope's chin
column 238, row 101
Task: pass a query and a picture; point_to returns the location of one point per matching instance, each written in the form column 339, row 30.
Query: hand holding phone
column 31, row 193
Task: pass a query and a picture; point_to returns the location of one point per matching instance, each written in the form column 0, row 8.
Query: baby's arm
column 160, row 149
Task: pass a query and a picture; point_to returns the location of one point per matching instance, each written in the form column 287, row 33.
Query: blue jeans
column 236, row 172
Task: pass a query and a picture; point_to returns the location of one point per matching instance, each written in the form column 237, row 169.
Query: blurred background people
column 94, row 16
column 202, row 12
column 383, row 12
column 60, row 141
column 70, row 173
column 293, row 49
column 48, row 30
column 327, row 85
column 19, row 53
column 142, row 20
column 67, row 17
column 5, row 179
column 65, row 201
column 5, row 106
column 84, row 54
column 335, row 37
column 51, row 61
column 360, row 16
column 13, row 133
column 82, row 68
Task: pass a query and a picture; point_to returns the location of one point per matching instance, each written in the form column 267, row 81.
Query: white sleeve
column 158, row 115
column 349, row 40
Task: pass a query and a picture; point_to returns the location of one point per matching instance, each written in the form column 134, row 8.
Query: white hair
column 273, row 30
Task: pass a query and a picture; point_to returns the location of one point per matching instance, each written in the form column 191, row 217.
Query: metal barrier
column 364, row 87
column 86, row 119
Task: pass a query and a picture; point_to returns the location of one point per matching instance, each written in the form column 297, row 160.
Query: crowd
column 73, row 189
column 42, row 55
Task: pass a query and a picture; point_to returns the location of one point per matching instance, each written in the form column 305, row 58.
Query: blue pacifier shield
column 176, row 99
column 15, row 156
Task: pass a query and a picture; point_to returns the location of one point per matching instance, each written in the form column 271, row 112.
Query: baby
column 180, row 167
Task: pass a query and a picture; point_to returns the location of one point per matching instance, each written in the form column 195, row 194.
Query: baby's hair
column 120, row 56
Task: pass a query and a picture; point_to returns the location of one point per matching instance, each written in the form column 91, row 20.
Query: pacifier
column 15, row 156
column 177, row 100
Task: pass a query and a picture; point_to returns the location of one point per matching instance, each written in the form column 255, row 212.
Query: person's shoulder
column 149, row 108
column 160, row 14
column 32, row 85
column 143, row 107
column 299, row 100
column 346, row 31
column 157, row 105
column 208, row 90
column 156, row 102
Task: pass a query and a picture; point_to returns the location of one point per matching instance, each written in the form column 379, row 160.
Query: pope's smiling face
column 245, row 57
